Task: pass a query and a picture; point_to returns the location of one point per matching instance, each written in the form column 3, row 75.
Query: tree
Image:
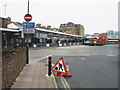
column 49, row 27
column 38, row 25
column 44, row 27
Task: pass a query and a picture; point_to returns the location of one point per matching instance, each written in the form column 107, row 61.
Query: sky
column 97, row 16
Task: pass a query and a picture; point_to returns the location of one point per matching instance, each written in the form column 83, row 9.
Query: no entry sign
column 28, row 17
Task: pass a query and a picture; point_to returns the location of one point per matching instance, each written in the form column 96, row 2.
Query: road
column 90, row 66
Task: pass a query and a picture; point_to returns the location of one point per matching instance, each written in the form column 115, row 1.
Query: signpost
column 28, row 17
column 28, row 27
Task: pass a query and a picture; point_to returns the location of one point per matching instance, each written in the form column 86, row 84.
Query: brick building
column 4, row 22
column 72, row 28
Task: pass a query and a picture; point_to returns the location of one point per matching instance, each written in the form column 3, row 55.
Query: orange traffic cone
column 59, row 75
column 67, row 74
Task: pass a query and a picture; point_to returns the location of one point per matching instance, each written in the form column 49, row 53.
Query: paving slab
column 33, row 75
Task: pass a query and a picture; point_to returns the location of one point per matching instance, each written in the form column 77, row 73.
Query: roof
column 56, row 32
column 16, row 25
column 2, row 17
column 40, row 29
column 10, row 30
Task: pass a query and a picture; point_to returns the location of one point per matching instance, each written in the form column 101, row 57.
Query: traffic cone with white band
column 67, row 74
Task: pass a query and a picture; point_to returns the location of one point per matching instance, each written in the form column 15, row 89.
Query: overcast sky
column 97, row 16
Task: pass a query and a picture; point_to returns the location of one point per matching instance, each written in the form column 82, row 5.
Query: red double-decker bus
column 98, row 40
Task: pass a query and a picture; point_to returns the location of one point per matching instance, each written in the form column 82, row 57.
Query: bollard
column 49, row 65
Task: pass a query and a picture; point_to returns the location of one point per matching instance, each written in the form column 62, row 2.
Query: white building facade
column 113, row 34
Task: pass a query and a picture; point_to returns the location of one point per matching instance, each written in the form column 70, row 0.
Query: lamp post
column 27, row 43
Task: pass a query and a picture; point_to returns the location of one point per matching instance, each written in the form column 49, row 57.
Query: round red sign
column 28, row 17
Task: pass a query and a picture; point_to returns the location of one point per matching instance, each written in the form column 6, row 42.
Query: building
column 44, row 37
column 72, row 28
column 113, row 34
column 4, row 22
column 15, row 25
column 13, row 58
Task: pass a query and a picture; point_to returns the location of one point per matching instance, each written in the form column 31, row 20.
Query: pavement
column 33, row 75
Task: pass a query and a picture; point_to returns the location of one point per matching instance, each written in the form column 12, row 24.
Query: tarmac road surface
column 90, row 66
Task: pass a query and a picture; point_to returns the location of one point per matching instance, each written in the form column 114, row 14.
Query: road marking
column 65, row 84
column 86, row 54
column 55, row 82
column 82, row 58
column 42, row 58
column 110, row 52
column 111, row 55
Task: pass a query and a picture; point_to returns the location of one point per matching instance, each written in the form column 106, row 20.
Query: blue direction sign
column 28, row 25
column 30, row 30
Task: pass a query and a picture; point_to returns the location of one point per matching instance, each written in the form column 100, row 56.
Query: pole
column 27, row 44
column 5, row 8
column 27, row 50
column 49, row 65
column 28, row 7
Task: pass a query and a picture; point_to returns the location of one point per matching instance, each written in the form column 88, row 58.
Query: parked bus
column 98, row 40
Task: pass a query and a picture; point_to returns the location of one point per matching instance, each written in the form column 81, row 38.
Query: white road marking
column 42, row 58
column 111, row 55
column 65, row 84
column 82, row 58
